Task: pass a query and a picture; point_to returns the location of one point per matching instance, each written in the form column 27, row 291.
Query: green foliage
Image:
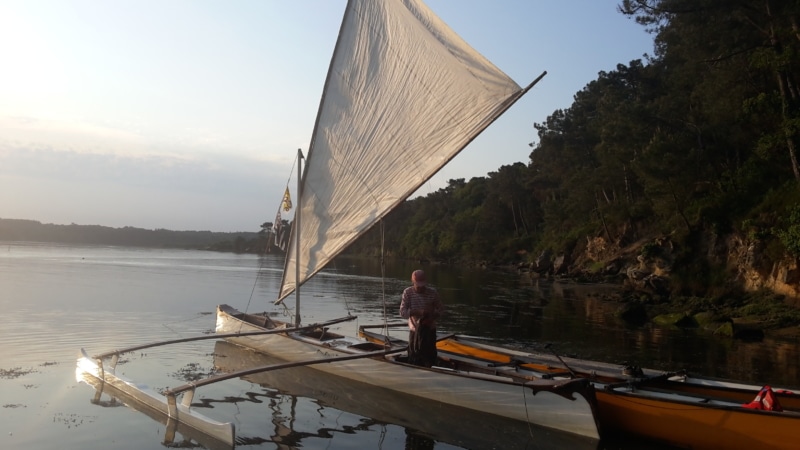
column 770, row 309
column 694, row 140
column 596, row 267
column 650, row 250
column 790, row 236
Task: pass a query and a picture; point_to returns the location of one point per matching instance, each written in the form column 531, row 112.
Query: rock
column 726, row 329
column 707, row 320
column 633, row 313
column 636, row 274
column 755, row 271
column 560, row 265
column 543, row 262
column 681, row 320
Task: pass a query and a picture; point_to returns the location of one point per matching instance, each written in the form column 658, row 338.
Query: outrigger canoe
column 673, row 408
column 565, row 405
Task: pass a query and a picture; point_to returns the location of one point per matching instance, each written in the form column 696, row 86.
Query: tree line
column 698, row 139
column 34, row 231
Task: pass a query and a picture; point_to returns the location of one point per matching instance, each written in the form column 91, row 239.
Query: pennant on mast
column 287, row 200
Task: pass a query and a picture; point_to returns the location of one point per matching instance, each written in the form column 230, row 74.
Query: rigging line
column 382, row 436
column 346, row 296
column 291, row 171
column 266, row 249
column 172, row 329
column 527, row 414
column 287, row 312
column 252, row 291
column 168, row 325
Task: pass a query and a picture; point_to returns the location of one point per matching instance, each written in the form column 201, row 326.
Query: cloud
column 117, row 186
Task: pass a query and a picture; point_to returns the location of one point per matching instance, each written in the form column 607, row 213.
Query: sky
column 187, row 114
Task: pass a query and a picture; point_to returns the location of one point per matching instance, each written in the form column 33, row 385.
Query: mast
column 297, row 238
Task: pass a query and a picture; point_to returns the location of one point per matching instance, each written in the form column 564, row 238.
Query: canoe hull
column 677, row 409
column 696, row 426
column 490, row 394
column 739, row 392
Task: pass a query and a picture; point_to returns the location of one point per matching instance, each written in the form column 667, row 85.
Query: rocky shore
column 733, row 291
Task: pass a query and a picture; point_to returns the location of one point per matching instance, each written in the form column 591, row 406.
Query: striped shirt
column 427, row 300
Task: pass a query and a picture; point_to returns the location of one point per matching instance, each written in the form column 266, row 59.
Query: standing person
column 420, row 304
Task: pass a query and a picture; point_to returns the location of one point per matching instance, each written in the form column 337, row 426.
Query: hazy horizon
column 126, row 226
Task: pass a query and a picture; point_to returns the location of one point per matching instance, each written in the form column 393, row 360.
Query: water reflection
column 103, row 298
column 580, row 320
column 425, row 422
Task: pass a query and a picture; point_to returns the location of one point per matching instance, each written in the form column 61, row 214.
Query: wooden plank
column 390, row 325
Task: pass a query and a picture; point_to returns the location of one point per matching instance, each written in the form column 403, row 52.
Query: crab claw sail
column 404, row 94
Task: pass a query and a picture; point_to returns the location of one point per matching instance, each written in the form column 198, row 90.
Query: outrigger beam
column 105, row 355
column 191, row 386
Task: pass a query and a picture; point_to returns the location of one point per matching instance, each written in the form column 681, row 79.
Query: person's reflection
column 418, row 441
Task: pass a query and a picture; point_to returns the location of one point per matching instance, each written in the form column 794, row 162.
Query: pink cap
column 418, row 278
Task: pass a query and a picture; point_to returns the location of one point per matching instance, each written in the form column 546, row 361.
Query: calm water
column 58, row 299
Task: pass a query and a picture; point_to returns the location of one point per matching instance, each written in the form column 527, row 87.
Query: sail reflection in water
column 426, row 422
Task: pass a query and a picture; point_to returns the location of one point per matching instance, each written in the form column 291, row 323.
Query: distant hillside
column 31, row 230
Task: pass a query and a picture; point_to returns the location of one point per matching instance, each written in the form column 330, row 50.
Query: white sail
column 404, row 95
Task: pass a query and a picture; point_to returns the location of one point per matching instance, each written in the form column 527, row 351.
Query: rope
column 525, row 404
column 266, row 250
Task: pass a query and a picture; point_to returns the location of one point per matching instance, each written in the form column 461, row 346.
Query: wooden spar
column 532, row 84
column 390, row 325
column 240, row 373
column 643, row 381
column 217, row 336
column 549, row 346
column 270, row 367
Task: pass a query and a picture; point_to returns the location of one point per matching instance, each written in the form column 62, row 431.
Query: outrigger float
column 99, row 371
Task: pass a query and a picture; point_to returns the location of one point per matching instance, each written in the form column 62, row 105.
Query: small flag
column 287, row 201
